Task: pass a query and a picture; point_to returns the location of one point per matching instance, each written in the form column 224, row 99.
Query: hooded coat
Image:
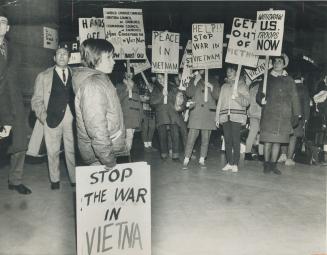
column 282, row 104
column 99, row 117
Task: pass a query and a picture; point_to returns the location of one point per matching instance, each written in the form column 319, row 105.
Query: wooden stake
column 146, row 82
column 237, row 78
column 165, row 86
column 264, row 90
column 206, row 84
column 130, row 93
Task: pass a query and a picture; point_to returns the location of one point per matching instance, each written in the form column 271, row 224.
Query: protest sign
column 113, row 210
column 50, row 38
column 259, row 70
column 241, row 43
column 165, row 52
column 187, row 57
column 207, row 45
column 141, row 66
column 90, row 28
column 185, row 79
column 124, row 29
column 269, row 32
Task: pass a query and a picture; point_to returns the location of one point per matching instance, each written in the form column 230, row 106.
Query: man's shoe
column 274, row 168
column 248, row 156
column 21, row 189
column 55, row 185
column 266, row 167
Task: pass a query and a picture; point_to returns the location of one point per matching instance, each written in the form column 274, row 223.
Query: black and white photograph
column 147, row 127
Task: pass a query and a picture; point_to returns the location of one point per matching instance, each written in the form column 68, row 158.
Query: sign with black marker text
column 113, row 210
column 124, row 29
column 241, row 43
column 90, row 28
column 165, row 52
column 269, row 32
column 207, row 45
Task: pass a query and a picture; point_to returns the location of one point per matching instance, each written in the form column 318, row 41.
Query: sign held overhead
column 124, row 29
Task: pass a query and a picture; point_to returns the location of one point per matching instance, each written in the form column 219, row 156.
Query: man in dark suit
column 53, row 103
column 12, row 118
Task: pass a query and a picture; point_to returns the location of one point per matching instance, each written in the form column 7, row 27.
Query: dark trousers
column 232, row 138
column 148, row 128
column 163, row 139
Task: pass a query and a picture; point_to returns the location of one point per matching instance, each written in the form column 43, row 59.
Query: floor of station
column 194, row 212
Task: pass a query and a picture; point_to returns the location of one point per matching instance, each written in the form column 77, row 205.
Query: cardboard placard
column 113, row 209
column 165, row 52
column 207, row 45
column 187, row 56
column 241, row 43
column 50, row 38
column 90, row 28
column 269, row 32
column 140, row 66
column 186, row 77
column 124, row 29
column 259, row 70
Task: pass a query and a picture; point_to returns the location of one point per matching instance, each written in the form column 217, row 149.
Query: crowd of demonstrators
column 201, row 119
column 231, row 114
column 108, row 114
column 53, row 104
column 280, row 113
column 130, row 101
column 148, row 121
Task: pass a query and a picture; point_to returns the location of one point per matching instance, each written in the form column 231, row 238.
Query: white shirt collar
column 275, row 74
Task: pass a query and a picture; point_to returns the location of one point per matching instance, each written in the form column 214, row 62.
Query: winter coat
column 282, row 104
column 165, row 113
column 131, row 107
column 202, row 115
column 99, row 117
column 12, row 110
column 254, row 110
column 235, row 108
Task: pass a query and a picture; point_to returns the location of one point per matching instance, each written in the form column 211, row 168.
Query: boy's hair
column 91, row 50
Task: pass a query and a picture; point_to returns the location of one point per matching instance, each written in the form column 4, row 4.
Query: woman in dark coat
column 166, row 115
column 202, row 116
column 280, row 113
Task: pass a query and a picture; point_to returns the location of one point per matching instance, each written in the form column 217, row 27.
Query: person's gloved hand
column 261, row 96
column 5, row 131
column 295, row 121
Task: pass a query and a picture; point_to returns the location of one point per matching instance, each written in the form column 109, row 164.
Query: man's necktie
column 63, row 75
